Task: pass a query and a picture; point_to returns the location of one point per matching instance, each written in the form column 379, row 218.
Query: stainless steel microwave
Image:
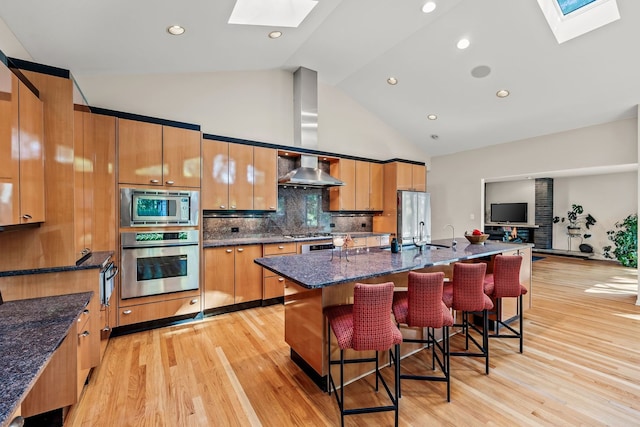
column 143, row 208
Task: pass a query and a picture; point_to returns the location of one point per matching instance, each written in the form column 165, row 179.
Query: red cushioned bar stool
column 365, row 325
column 504, row 282
column 421, row 306
column 465, row 293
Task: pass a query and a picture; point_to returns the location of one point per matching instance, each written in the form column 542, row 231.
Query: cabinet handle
column 233, row 206
column 106, row 329
column 240, row 250
column 154, row 181
column 229, row 251
column 280, row 279
column 26, row 216
column 193, row 301
column 126, row 312
column 169, row 182
column 273, row 208
column 85, row 311
column 223, row 207
column 84, row 334
column 280, row 247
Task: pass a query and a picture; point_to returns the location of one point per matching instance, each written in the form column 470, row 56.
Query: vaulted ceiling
column 356, row 45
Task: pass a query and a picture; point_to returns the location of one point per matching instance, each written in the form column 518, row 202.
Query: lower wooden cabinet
column 231, row 276
column 158, row 310
column 273, row 285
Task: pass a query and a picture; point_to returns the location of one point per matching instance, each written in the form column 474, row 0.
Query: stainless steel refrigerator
column 414, row 217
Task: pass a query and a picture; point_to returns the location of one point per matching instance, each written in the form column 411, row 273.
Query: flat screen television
column 509, row 212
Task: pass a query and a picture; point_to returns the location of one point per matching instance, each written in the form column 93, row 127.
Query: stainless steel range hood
column 305, row 105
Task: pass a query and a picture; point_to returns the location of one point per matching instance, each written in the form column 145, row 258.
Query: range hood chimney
column 305, row 105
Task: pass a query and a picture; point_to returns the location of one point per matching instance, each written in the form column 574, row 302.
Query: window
column 572, row 18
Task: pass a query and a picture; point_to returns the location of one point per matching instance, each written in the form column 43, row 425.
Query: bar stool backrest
column 373, row 328
column 425, row 299
column 468, row 286
column 506, row 276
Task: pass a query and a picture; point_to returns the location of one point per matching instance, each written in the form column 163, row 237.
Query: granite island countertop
column 317, row 270
column 30, row 332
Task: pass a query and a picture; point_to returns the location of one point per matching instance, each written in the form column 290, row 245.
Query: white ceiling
column 355, row 45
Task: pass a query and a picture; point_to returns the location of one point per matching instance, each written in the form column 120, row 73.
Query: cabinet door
column 343, row 198
column 31, row 156
column 265, row 179
column 376, row 185
column 248, row 273
column 181, row 156
column 240, row 177
column 139, row 152
column 404, row 176
column 218, row 277
column 9, row 148
column 105, row 226
column 83, row 167
column 215, row 175
column 362, row 186
column 419, row 177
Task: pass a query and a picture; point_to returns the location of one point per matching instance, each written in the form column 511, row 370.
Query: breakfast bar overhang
column 320, row 279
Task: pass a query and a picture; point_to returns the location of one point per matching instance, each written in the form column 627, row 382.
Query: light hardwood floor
column 581, row 366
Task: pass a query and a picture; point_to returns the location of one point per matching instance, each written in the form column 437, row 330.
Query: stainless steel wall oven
column 159, row 262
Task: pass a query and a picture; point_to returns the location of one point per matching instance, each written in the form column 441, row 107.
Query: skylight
column 572, row 18
column 271, row 13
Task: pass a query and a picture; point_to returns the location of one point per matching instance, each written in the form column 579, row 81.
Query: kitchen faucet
column 421, row 242
column 453, row 235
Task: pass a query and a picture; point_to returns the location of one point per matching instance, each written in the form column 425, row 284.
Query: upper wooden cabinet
column 21, row 152
column 152, row 154
column 363, row 186
column 343, row 198
column 238, row 177
column 411, row 177
column 84, row 161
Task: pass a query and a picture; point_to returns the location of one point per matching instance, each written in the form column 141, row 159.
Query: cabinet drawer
column 359, row 242
column 273, row 287
column 82, row 321
column 158, row 310
column 279, row 248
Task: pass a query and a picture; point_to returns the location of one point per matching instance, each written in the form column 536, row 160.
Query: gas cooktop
column 305, row 235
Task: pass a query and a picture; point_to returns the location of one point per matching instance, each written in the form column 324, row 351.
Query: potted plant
column 626, row 241
column 576, row 217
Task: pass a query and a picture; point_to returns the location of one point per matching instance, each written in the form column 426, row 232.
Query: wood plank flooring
column 581, row 366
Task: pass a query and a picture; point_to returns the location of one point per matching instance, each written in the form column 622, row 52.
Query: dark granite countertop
column 317, row 270
column 95, row 260
column 30, row 332
column 270, row 238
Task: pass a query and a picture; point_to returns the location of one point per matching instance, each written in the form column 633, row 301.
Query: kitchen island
column 320, row 279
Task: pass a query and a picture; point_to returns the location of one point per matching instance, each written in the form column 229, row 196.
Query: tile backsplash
column 299, row 211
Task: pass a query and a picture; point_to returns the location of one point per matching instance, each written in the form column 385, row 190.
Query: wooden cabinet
column 265, row 179
column 231, row 276
column 343, row 198
column 83, row 350
column 411, row 177
column 238, row 177
column 152, row 154
column 21, row 152
column 158, row 310
column 273, row 284
column 363, row 186
column 95, row 185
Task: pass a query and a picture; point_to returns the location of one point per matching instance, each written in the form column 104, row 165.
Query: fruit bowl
column 476, row 239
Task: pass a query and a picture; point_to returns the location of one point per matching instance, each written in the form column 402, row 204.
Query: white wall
column 518, row 191
column 455, row 181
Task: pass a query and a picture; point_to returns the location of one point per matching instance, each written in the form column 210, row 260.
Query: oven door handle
column 114, row 269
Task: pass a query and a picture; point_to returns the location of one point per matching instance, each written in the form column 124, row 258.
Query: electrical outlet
column 332, row 225
column 363, row 225
column 235, row 229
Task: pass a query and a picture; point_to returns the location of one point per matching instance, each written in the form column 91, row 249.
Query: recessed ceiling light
column 432, row 117
column 275, row 34
column 175, row 30
column 502, row 93
column 392, row 81
column 429, row 7
column 463, row 43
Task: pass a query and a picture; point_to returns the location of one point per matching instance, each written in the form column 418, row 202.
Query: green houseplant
column 625, row 237
column 576, row 217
